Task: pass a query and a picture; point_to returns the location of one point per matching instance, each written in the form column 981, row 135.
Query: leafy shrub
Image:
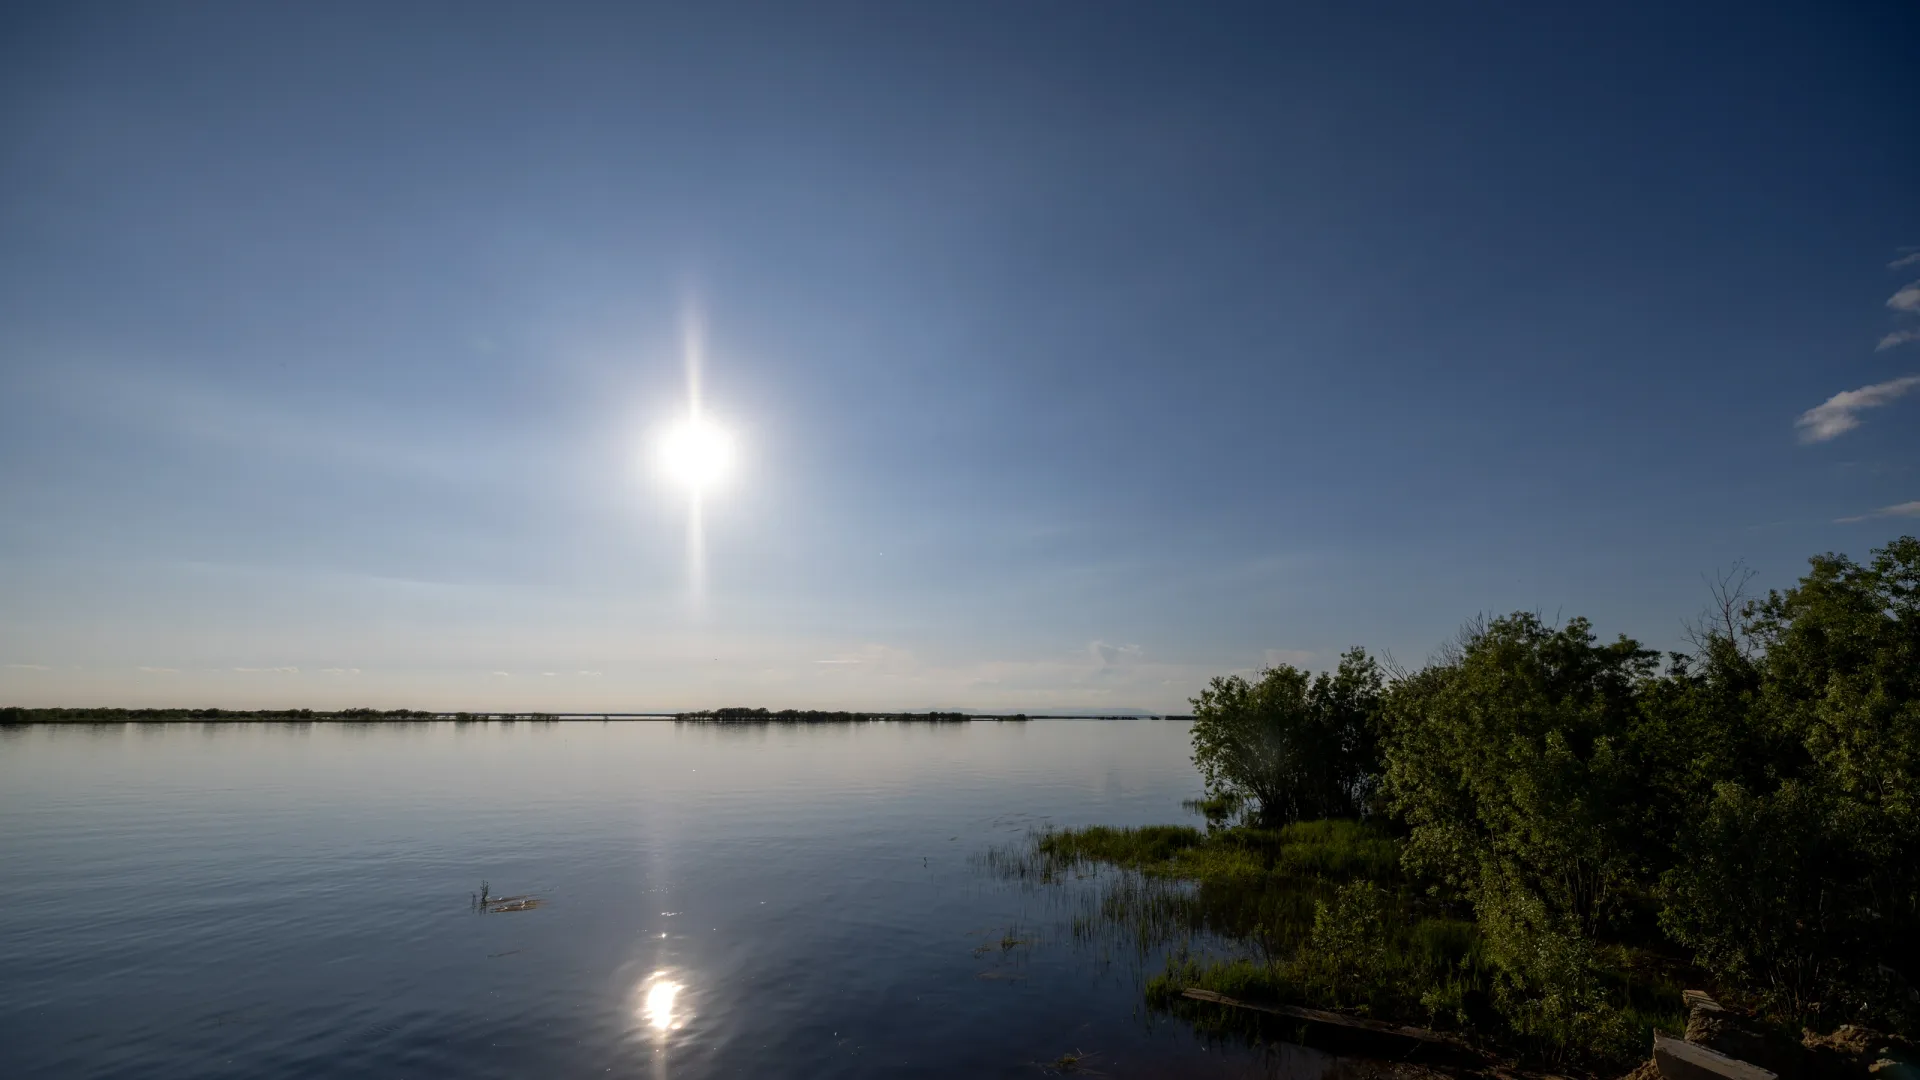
column 1753, row 808
column 1347, row 951
column 1292, row 745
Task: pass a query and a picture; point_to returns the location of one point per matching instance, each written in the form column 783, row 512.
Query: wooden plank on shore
column 1678, row 1059
column 1319, row 1016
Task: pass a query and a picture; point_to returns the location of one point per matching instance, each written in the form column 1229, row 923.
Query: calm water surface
column 271, row 901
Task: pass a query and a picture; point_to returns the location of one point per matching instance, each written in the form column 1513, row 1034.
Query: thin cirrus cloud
column 1840, row 413
column 1905, row 509
column 268, row 670
column 1108, row 655
column 1907, row 299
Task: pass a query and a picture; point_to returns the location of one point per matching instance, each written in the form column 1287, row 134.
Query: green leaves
column 1292, row 745
column 1515, row 758
column 1757, row 802
column 1796, row 869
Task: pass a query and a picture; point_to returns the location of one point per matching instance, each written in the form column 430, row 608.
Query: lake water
column 269, row 901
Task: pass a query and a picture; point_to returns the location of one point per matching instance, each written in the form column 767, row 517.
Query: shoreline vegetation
column 1550, row 848
column 19, row 715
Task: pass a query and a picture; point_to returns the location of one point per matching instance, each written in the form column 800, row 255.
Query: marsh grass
column 1316, row 913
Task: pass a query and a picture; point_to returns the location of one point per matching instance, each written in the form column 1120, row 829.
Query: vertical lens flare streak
column 696, row 454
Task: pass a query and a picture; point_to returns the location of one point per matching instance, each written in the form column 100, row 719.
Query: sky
column 1073, row 353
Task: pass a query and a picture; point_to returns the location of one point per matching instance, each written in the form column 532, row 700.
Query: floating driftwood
column 487, row 904
column 1319, row 1016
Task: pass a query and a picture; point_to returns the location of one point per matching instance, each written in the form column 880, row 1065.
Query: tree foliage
column 1511, row 760
column 1291, row 745
column 1753, row 804
column 1797, row 869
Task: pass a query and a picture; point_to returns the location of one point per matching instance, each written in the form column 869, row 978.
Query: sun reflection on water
column 657, row 998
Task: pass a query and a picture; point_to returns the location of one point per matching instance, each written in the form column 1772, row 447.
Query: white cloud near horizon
column 1839, row 414
column 1905, row 509
column 1907, row 299
column 26, row 667
column 1906, row 260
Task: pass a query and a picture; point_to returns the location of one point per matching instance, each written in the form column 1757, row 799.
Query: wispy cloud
column 588, row 674
column 1297, row 657
column 1907, row 299
column 339, row 671
column 1840, row 413
column 1905, row 302
column 503, row 674
column 878, row 657
column 1112, row 655
column 159, row 670
column 26, row 667
column 1905, row 509
column 268, row 670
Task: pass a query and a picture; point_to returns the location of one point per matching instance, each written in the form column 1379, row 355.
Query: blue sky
column 1075, row 352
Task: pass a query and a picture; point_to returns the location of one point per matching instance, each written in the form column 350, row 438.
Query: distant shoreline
column 14, row 715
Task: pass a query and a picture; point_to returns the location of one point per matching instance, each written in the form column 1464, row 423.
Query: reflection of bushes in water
column 1320, row 913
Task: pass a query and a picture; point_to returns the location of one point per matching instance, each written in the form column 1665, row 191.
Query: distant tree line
column 17, row 715
column 1751, row 805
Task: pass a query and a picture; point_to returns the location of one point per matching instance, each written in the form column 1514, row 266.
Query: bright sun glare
column 658, row 1006
column 696, row 454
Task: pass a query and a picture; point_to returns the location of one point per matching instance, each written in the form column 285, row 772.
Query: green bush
column 1292, row 745
column 1796, row 871
column 1347, row 951
column 1752, row 808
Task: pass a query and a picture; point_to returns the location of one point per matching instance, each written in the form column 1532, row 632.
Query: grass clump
column 1147, row 847
column 1330, row 850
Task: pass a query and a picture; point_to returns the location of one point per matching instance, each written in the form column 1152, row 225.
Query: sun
column 696, row 453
